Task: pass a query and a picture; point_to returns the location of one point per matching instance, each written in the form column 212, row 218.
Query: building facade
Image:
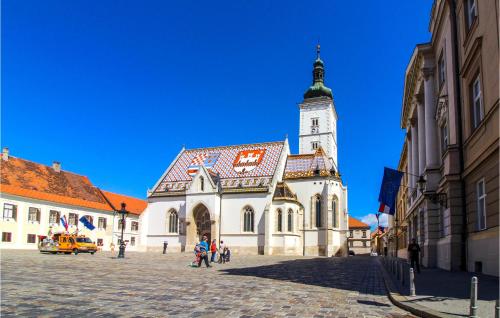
column 450, row 114
column 34, row 197
column 258, row 198
column 359, row 237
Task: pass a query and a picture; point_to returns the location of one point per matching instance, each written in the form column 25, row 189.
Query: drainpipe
column 458, row 94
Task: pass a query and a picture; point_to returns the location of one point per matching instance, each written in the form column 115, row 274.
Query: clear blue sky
column 114, row 89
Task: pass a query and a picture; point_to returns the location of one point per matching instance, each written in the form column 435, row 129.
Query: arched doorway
column 202, row 222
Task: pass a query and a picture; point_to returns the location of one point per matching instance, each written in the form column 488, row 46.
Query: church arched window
column 317, row 210
column 202, row 184
column 335, row 211
column 248, row 219
column 173, row 221
column 289, row 222
column 279, row 220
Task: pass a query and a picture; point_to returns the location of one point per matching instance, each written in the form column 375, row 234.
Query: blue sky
column 114, row 89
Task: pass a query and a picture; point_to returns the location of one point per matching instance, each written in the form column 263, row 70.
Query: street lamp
column 123, row 212
column 434, row 197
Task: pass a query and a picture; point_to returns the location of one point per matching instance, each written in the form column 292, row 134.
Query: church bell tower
column 318, row 118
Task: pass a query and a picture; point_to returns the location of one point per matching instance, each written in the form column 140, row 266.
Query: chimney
column 56, row 166
column 5, row 153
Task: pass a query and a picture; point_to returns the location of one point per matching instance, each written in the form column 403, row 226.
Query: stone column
column 414, row 151
column 410, row 162
column 431, row 136
column 421, row 137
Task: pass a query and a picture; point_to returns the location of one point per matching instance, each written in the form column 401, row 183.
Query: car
column 373, row 253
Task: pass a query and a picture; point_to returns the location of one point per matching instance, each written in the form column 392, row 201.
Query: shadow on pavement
column 360, row 273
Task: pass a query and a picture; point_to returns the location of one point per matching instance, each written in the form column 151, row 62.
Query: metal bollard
column 473, row 298
column 412, row 282
column 497, row 308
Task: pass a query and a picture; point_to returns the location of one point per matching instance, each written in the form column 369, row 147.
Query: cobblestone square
column 156, row 285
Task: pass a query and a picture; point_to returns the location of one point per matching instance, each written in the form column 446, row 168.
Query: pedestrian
column 112, row 248
column 165, row 245
column 414, row 252
column 228, row 254
column 196, row 255
column 213, row 250
column 222, row 252
column 204, row 251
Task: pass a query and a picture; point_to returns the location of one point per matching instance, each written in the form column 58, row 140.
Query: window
column 351, row 243
column 202, row 184
column 280, row 221
column 351, row 234
column 132, row 241
column 90, row 219
column 471, row 12
column 314, row 145
column 481, row 205
column 314, row 125
column 364, row 243
column 6, row 237
column 9, row 211
column 34, row 215
column 317, row 210
column 364, row 234
column 73, row 219
column 100, row 242
column 54, row 217
column 441, row 70
column 477, row 104
column 134, row 226
column 444, row 137
column 31, row 238
column 248, row 219
column 173, row 220
column 101, row 223
column 335, row 212
column 290, row 221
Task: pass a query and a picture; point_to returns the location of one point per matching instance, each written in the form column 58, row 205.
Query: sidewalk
column 448, row 293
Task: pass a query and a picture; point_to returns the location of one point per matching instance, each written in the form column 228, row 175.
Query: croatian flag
column 64, row 222
column 389, row 190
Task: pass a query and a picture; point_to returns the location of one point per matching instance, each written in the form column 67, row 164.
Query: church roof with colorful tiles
column 237, row 168
column 309, row 165
column 283, row 192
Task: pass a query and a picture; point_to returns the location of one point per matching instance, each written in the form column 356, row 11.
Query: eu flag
column 86, row 223
column 389, row 190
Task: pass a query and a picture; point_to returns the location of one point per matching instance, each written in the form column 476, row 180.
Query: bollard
column 497, row 308
column 412, row 282
column 473, row 298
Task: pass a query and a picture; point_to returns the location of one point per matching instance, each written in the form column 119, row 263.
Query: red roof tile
column 357, row 224
column 134, row 205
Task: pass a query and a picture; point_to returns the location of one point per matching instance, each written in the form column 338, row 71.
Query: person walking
column 222, row 252
column 204, row 251
column 112, row 248
column 414, row 252
column 213, row 250
column 165, row 245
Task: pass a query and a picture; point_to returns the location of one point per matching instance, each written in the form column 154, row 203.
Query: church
column 258, row 198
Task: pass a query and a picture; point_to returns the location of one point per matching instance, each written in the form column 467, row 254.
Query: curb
column 405, row 303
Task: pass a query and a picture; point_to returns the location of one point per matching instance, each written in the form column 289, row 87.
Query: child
column 197, row 255
column 228, row 254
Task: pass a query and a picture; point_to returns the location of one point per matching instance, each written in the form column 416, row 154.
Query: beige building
column 35, row 197
column 450, row 114
column 359, row 237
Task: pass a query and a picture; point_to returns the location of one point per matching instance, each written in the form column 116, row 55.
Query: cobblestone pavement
column 155, row 285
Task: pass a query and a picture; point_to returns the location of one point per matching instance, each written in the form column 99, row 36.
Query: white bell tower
column 318, row 118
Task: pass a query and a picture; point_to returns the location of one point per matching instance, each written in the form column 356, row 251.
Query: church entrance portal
column 202, row 222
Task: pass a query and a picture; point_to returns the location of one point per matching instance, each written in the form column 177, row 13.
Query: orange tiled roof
column 357, row 224
column 309, row 165
column 134, row 205
column 33, row 180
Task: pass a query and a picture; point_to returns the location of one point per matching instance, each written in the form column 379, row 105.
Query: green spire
column 318, row 89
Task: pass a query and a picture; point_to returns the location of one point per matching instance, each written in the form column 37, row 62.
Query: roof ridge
column 123, row 195
column 49, row 167
column 240, row 145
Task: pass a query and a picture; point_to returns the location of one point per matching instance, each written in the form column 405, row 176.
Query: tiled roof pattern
column 282, row 191
column 134, row 205
column 258, row 173
column 308, row 165
column 28, row 179
column 357, row 224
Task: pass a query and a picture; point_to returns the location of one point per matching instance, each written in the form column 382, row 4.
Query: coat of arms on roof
column 247, row 160
column 202, row 159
